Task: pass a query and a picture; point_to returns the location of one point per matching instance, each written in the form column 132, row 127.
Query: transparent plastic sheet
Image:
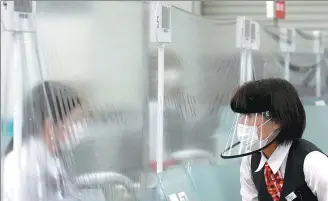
column 265, row 63
column 22, row 73
column 201, row 71
column 172, row 188
column 82, row 101
column 303, row 62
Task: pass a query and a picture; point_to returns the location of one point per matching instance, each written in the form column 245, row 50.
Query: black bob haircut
column 279, row 98
column 48, row 100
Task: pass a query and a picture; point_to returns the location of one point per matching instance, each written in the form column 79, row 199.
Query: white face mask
column 247, row 135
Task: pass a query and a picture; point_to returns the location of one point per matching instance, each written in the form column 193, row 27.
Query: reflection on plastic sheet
column 7, row 129
column 178, row 197
column 302, row 60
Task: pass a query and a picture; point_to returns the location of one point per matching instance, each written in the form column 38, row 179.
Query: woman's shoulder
column 304, row 147
column 246, row 160
column 30, row 151
column 9, row 175
column 9, row 161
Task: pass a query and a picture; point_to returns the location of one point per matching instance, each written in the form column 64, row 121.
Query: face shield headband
column 250, row 133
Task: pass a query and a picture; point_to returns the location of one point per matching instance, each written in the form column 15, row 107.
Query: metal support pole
column 275, row 20
column 18, row 112
column 287, row 45
column 249, row 75
column 160, row 111
column 14, row 19
column 318, row 75
column 287, row 61
column 160, row 33
column 243, row 66
column 317, row 48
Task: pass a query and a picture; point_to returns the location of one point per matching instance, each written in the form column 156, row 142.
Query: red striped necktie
column 274, row 182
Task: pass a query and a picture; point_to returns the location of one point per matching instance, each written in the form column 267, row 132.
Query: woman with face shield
column 47, row 109
column 278, row 164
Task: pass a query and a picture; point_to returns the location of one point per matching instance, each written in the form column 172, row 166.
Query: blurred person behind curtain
column 47, row 107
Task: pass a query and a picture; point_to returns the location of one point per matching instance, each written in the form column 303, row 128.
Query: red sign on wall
column 280, row 9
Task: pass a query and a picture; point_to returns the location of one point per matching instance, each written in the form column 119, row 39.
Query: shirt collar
column 276, row 159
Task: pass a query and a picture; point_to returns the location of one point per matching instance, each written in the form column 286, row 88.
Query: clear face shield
column 250, row 133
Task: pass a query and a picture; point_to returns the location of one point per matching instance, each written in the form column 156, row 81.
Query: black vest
column 294, row 176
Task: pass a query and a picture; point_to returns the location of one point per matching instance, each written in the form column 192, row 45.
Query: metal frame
column 161, row 36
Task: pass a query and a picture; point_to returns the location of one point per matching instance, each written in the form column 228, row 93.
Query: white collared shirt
column 34, row 159
column 315, row 171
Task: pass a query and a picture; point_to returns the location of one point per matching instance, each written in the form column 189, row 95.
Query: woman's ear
column 46, row 125
column 276, row 125
column 47, row 131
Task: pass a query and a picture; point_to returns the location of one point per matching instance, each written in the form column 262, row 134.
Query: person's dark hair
column 48, row 100
column 277, row 96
